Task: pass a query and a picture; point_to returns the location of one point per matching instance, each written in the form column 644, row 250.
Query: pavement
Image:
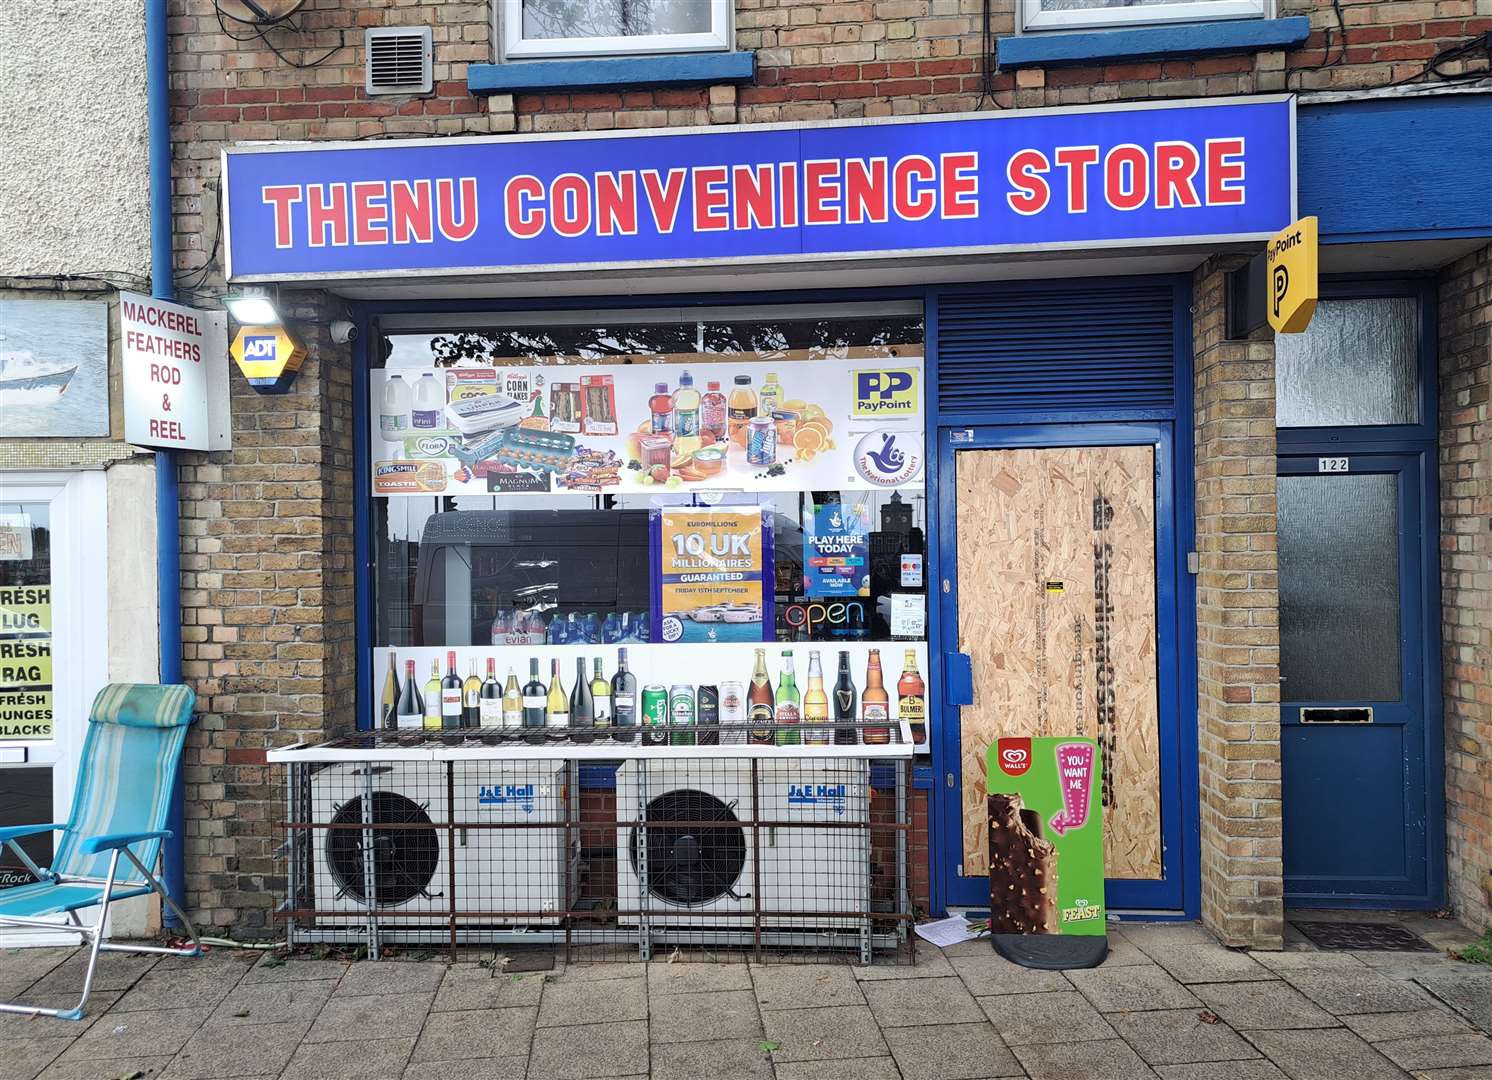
column 1169, row 1003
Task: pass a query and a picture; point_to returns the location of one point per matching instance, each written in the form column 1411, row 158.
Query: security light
column 252, row 307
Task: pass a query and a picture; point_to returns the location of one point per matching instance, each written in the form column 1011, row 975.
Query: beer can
column 681, row 714
column 655, row 716
column 733, row 713
column 707, row 715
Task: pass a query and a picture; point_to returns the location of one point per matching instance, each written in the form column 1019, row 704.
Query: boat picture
column 25, row 380
column 54, row 369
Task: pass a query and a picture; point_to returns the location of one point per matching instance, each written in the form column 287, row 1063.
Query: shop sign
column 25, row 663
column 268, row 356
column 774, row 426
column 1115, row 176
column 175, row 380
column 837, row 554
column 710, row 578
column 1290, row 257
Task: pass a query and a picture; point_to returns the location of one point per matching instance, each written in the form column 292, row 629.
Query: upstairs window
column 1086, row 14
column 536, row 29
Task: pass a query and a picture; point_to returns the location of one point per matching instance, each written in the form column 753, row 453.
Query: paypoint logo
column 886, row 392
column 259, row 347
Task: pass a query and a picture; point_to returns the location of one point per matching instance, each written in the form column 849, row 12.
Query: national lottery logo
column 885, row 392
column 889, row 458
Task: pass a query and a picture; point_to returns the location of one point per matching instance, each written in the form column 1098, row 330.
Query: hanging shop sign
column 1293, row 283
column 711, row 575
column 268, row 356
column 1090, row 177
column 645, row 428
column 25, row 663
column 837, row 552
column 175, row 381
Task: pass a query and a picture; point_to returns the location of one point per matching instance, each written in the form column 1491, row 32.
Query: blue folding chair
column 120, row 804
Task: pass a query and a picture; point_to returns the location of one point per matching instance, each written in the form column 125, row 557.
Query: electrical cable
column 987, row 61
column 1482, row 43
column 1326, row 59
column 260, row 31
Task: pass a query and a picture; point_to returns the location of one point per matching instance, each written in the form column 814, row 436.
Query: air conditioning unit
column 503, row 876
column 685, row 854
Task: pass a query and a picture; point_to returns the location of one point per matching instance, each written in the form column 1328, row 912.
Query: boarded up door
column 1056, row 607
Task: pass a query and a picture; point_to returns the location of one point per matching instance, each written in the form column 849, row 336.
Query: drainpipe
column 167, row 509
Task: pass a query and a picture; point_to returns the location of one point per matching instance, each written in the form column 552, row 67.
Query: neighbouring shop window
column 1357, row 364
column 692, row 489
column 1068, row 14
column 541, row 28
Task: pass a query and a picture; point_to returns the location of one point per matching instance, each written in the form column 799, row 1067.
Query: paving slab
column 1163, row 933
column 951, row 1052
column 1252, row 1005
column 987, row 974
column 1123, row 953
column 19, row 1026
column 383, row 1016
column 337, row 1061
column 566, row 1003
column 19, row 968
column 1027, row 1019
column 368, row 977
column 593, row 1051
column 469, row 986
column 922, row 1001
column 1258, row 1069
column 294, row 970
column 930, row 963
column 1348, row 993
column 203, row 987
column 829, row 1034
column 479, row 1033
column 697, row 978
column 808, row 986
column 1110, row 1059
column 1179, row 1037
column 1132, row 989
column 143, row 1068
column 138, row 1034
column 1467, row 988
column 1379, row 1027
column 272, row 1003
column 725, row 1014
column 227, row 1050
column 504, row 1068
column 1327, row 1054
column 1461, row 1050
column 727, row 1059
column 872, row 1068
column 116, row 971
column 25, row 1058
column 1201, row 963
column 1312, row 959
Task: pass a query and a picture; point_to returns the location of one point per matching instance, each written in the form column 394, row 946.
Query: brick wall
column 1466, row 580
column 1238, row 678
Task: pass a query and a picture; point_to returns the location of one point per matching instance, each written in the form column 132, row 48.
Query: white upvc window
column 539, row 29
column 1092, row 14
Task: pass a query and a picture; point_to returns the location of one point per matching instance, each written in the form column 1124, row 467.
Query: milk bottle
column 393, row 417
column 429, row 403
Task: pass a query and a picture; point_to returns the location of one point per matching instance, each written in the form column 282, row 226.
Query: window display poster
column 25, row 663
column 837, row 559
column 645, row 427
column 712, row 570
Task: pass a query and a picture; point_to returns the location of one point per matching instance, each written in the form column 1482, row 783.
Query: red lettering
column 1133, row 161
column 409, row 207
column 281, row 197
column 753, row 207
column 664, row 196
column 1176, row 165
column 370, row 218
column 570, row 205
column 820, row 189
column 1225, row 172
column 787, row 180
column 616, row 204
column 168, row 430
column 1026, row 174
column 911, row 196
column 865, row 195
column 451, row 227
column 325, row 217
column 524, row 221
column 710, row 199
column 960, row 184
column 1076, row 160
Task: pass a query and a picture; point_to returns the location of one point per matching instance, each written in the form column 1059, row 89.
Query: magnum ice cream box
column 1046, row 851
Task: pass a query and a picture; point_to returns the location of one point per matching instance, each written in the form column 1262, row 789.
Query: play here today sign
column 175, row 367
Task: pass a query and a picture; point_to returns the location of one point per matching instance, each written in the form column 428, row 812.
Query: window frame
column 508, row 15
column 1034, row 20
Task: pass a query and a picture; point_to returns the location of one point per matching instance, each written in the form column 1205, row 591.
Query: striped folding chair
column 120, row 805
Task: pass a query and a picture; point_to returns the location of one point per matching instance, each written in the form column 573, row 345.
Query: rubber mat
column 1386, row 937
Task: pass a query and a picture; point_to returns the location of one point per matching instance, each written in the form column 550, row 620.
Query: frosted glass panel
column 1339, row 587
column 1354, row 365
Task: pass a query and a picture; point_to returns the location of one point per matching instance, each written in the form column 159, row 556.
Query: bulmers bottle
column 911, row 705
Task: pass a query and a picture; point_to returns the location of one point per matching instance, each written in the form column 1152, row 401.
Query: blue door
column 1360, row 819
column 1060, row 577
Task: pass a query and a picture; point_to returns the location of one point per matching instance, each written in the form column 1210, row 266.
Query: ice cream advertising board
column 1045, row 838
column 645, row 428
column 710, row 581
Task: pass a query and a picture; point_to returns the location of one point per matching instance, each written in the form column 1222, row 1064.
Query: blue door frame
column 1175, row 893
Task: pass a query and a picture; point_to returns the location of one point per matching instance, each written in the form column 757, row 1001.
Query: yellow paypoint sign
column 1290, row 262
column 268, row 356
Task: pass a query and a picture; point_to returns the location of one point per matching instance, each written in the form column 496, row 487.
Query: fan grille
column 691, row 864
column 403, row 860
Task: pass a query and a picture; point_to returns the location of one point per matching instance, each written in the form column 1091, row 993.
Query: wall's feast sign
column 1082, row 178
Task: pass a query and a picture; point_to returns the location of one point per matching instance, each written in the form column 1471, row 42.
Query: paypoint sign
column 1290, row 260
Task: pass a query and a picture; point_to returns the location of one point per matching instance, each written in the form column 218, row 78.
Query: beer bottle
column 788, row 703
column 844, row 704
column 876, row 703
column 912, row 706
column 759, row 702
column 815, row 705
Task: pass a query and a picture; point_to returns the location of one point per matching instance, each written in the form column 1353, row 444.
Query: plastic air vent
column 399, row 60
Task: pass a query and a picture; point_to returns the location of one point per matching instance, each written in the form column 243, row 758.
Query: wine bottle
column 533, row 697
column 450, row 695
column 490, row 698
column 624, row 700
column 432, row 698
column 388, row 705
column 912, row 699
column 601, row 697
column 815, row 705
column 875, row 703
column 471, row 697
column 512, row 703
column 410, row 709
column 582, row 704
column 557, row 707
column 788, row 703
column 760, row 702
column 844, row 704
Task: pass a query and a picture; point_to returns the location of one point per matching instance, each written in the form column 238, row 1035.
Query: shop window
column 533, row 29
column 1355, row 365
column 689, row 488
column 1075, row 14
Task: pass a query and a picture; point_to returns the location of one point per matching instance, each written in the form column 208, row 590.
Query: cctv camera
column 343, row 331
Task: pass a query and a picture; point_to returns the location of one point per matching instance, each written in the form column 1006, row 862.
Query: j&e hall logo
column 885, row 392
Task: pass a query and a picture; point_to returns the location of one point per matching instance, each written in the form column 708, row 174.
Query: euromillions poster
column 648, row 428
column 1045, row 837
column 712, row 574
column 837, row 555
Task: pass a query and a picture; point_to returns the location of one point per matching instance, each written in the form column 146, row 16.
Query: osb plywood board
column 1056, row 606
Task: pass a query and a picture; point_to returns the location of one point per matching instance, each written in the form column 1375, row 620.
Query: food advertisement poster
column 837, row 561
column 648, row 427
column 712, row 574
column 25, row 663
column 1045, row 837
